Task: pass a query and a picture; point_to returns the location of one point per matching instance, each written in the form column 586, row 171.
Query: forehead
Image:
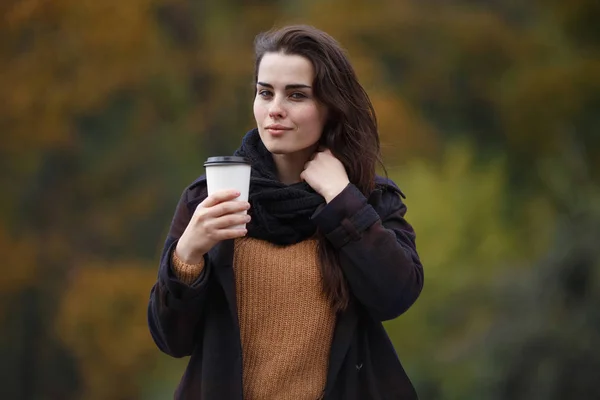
column 278, row 68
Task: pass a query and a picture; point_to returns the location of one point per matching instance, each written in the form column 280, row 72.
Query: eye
column 264, row 93
column 298, row 96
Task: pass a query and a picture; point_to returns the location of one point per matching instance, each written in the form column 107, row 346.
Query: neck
column 290, row 166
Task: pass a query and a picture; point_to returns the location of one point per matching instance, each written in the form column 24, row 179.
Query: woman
column 291, row 308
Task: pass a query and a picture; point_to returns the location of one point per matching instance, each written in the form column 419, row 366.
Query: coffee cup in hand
column 229, row 172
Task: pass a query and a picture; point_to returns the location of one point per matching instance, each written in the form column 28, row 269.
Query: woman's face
column 289, row 118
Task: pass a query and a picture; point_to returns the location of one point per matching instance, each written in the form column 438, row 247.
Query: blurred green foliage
column 489, row 123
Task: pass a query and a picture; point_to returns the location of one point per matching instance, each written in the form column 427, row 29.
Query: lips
column 277, row 130
column 277, row 127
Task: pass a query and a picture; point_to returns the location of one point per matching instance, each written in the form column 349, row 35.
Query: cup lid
column 222, row 160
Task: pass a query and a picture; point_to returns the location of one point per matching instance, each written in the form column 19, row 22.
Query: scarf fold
column 280, row 213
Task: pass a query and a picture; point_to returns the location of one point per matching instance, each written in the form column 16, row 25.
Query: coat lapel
column 342, row 339
column 222, row 254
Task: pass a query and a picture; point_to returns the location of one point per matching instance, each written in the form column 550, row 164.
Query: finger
column 226, row 234
column 319, row 155
column 219, row 197
column 307, row 164
column 314, row 155
column 228, row 221
column 221, row 209
column 229, row 207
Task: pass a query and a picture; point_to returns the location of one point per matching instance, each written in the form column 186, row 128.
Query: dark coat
column 379, row 260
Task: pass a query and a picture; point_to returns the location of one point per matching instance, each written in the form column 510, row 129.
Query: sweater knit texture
column 286, row 322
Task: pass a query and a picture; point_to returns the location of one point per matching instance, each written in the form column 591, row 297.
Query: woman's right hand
column 213, row 221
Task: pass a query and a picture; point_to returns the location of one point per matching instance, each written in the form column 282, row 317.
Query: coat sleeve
column 377, row 250
column 175, row 308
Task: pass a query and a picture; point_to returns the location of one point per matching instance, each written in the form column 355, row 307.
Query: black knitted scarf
column 280, row 213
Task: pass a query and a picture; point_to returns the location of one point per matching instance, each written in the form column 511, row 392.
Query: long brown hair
column 350, row 132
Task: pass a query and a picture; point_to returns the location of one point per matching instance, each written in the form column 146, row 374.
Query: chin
column 278, row 150
column 283, row 147
column 275, row 148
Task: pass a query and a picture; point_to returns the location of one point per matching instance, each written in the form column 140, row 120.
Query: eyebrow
column 287, row 87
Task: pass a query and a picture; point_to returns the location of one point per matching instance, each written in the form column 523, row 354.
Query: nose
column 276, row 109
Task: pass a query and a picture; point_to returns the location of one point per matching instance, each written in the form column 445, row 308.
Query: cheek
column 259, row 110
column 313, row 124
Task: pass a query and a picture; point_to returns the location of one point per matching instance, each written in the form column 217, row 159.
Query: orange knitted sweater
column 286, row 322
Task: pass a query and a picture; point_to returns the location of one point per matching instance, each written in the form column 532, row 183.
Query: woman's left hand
column 325, row 174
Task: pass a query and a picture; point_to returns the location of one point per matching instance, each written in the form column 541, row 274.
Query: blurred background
column 490, row 121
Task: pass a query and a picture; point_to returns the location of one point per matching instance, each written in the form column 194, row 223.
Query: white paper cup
column 229, row 172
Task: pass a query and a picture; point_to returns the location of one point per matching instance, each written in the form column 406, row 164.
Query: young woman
column 291, row 308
